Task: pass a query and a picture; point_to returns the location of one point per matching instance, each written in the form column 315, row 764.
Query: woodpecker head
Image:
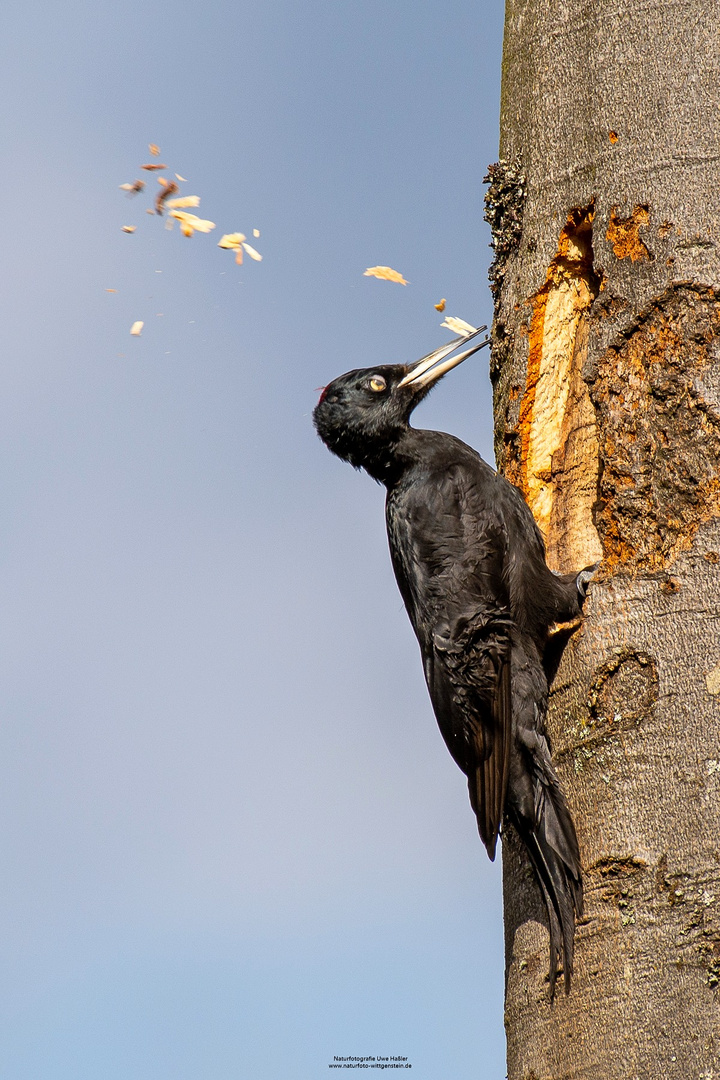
column 362, row 415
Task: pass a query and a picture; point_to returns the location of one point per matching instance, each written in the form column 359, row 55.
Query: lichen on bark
column 504, row 205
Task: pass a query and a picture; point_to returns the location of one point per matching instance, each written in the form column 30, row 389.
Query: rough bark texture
column 606, row 364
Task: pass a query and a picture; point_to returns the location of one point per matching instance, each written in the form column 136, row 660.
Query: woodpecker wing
column 448, row 549
column 469, row 683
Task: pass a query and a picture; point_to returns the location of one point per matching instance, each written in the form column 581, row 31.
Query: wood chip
column 441, row 305
column 236, row 242
column 231, row 240
column 190, row 224
column 129, row 228
column 154, row 150
column 458, row 326
column 169, row 187
column 385, row 273
column 136, row 328
column 183, row 202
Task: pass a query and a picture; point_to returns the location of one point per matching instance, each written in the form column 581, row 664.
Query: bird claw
column 584, row 578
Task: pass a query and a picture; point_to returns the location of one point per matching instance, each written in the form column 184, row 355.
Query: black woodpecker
column 470, row 564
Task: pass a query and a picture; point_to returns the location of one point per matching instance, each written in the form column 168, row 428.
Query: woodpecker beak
column 426, row 371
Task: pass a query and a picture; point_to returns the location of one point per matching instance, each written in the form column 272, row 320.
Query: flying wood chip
column 154, row 150
column 190, row 224
column 129, row 228
column 183, row 202
column 385, row 273
column 133, row 189
column 236, row 242
column 136, row 328
column 152, row 167
column 458, row 326
column 231, row 240
column 441, row 305
column 169, row 187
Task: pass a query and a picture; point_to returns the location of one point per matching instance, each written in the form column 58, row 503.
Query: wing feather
column 447, row 545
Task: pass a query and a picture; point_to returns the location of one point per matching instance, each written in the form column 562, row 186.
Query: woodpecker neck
column 387, row 463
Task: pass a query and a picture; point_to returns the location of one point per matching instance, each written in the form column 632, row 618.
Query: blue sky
column 233, row 843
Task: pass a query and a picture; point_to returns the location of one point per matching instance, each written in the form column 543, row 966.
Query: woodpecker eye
column 377, row 383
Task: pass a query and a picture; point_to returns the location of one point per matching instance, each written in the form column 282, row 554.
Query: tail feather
column 551, row 842
column 557, row 917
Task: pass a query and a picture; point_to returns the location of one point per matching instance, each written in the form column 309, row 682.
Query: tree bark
column 606, row 369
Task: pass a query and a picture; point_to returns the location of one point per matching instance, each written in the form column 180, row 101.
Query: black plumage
column 470, row 564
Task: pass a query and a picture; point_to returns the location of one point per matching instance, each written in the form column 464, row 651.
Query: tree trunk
column 606, row 369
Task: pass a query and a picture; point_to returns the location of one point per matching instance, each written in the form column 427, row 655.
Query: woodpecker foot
column 584, row 578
